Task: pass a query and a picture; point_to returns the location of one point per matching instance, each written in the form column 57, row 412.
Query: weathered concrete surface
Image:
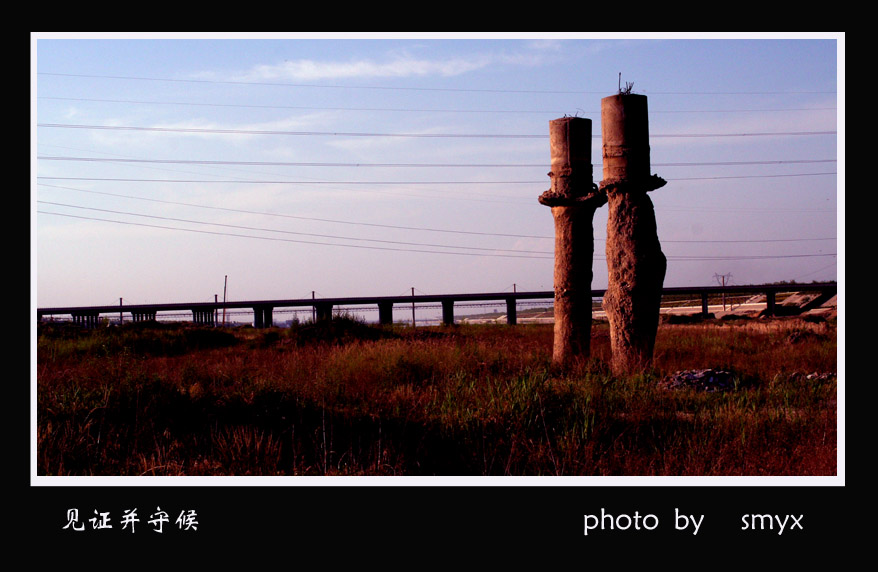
column 636, row 271
column 635, row 263
column 573, row 198
column 574, row 250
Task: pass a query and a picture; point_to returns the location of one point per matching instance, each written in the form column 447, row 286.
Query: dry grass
column 465, row 400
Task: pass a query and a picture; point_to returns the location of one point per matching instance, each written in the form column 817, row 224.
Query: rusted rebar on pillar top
column 573, row 198
column 635, row 262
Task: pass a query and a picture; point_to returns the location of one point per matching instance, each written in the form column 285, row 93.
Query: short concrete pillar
column 448, row 312
column 635, row 262
column 385, row 313
column 262, row 317
column 323, row 311
column 86, row 319
column 511, row 312
column 202, row 317
column 267, row 316
column 573, row 198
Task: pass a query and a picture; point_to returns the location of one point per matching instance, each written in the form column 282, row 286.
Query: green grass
column 345, row 398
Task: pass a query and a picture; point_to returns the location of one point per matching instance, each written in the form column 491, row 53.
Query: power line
column 410, row 109
column 441, row 89
column 394, row 183
column 295, row 240
column 749, row 257
column 750, row 176
column 297, row 217
column 290, row 133
column 413, row 135
column 429, row 165
column 279, row 163
column 670, row 258
column 399, row 227
column 281, row 182
column 241, row 227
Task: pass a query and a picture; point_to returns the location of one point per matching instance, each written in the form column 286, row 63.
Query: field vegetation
column 341, row 397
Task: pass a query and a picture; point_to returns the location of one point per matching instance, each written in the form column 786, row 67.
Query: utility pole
column 120, row 311
column 225, row 288
column 721, row 280
column 413, row 306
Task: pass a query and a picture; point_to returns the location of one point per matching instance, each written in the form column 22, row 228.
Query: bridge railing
column 207, row 313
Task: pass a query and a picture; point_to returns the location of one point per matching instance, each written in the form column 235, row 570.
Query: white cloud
column 397, row 67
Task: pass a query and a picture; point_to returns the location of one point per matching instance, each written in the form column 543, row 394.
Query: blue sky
column 371, row 165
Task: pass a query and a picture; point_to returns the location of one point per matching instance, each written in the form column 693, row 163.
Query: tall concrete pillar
column 573, row 198
column 635, row 262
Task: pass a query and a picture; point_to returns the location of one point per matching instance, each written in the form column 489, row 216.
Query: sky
column 169, row 168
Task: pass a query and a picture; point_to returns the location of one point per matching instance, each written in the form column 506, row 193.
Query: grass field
column 345, row 398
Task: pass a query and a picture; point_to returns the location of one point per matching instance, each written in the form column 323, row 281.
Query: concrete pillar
column 268, row 316
column 448, row 312
column 385, row 313
column 86, row 320
column 142, row 316
column 200, row 316
column 512, row 312
column 323, row 311
column 635, row 262
column 573, row 198
column 262, row 317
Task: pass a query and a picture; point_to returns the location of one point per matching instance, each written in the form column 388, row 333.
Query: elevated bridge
column 207, row 313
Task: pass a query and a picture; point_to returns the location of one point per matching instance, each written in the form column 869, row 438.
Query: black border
column 455, row 524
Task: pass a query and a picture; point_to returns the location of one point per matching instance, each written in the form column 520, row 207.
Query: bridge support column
column 448, row 312
column 511, row 312
column 142, row 316
column 385, row 313
column 323, row 311
column 86, row 319
column 704, row 312
column 262, row 317
column 770, row 302
column 203, row 317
